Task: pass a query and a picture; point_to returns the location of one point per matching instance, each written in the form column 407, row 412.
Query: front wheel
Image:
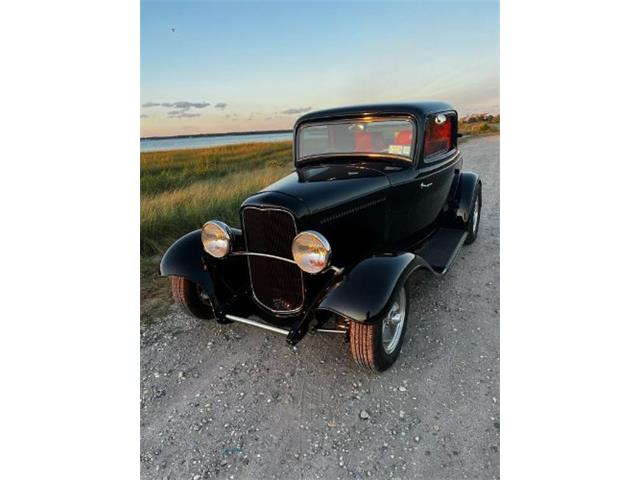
column 377, row 346
column 191, row 298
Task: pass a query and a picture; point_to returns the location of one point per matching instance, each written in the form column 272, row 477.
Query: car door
column 436, row 169
column 432, row 185
column 419, row 194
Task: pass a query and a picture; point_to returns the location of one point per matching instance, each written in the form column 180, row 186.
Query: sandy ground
column 238, row 402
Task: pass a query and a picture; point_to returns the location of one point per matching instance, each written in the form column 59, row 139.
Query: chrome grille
column 276, row 284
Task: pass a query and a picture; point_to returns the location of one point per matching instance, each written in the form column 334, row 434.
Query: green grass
column 181, row 189
column 168, row 171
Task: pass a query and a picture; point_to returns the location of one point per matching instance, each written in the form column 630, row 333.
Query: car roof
column 420, row 110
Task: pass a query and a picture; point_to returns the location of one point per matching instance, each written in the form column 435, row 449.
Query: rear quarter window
column 439, row 136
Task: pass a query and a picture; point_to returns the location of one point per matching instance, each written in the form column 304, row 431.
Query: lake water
column 160, row 144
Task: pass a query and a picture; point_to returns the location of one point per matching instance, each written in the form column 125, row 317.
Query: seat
column 403, row 137
column 364, row 142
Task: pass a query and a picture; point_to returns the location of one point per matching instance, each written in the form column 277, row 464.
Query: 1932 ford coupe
column 378, row 192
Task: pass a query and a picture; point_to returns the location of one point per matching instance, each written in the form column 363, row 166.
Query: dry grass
column 479, row 128
column 168, row 215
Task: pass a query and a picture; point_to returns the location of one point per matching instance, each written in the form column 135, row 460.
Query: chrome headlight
column 216, row 238
column 311, row 251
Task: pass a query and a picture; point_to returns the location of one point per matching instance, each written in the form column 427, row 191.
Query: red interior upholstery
column 363, row 142
column 404, row 137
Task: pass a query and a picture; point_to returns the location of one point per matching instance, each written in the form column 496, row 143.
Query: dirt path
column 238, row 402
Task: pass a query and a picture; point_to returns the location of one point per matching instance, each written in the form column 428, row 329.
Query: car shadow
column 424, row 339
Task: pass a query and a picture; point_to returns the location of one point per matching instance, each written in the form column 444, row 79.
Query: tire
column 191, row 298
column 366, row 342
column 474, row 225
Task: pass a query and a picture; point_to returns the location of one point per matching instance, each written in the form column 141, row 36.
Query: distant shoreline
column 224, row 134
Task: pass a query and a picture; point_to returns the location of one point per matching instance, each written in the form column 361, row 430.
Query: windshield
column 384, row 137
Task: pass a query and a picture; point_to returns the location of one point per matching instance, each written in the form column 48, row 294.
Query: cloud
column 188, row 105
column 294, row 111
column 180, row 105
column 221, row 105
column 181, row 114
column 180, row 109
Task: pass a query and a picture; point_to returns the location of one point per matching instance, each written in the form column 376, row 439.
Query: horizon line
column 217, row 134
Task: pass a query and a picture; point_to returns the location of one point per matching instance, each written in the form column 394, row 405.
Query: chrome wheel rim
column 476, row 214
column 393, row 323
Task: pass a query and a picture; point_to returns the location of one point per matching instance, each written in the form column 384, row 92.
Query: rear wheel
column 473, row 224
column 377, row 346
column 191, row 298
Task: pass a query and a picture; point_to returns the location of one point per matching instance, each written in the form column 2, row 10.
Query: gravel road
column 237, row 402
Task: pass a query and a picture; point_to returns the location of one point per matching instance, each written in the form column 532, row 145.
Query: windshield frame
column 357, row 119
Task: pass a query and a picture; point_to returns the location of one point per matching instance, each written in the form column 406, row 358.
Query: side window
column 439, row 135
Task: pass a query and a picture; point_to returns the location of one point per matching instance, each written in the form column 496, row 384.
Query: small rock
column 417, row 439
column 181, row 375
column 364, row 415
column 402, row 389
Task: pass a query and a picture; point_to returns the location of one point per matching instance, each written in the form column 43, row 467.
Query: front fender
column 185, row 258
column 366, row 290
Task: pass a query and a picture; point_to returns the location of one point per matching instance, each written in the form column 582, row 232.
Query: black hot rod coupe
column 377, row 193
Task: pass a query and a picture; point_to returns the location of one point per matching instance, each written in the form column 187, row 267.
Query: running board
column 441, row 249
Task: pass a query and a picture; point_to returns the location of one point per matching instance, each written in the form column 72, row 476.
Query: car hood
column 323, row 187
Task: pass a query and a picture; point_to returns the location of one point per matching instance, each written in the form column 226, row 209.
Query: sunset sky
column 257, row 65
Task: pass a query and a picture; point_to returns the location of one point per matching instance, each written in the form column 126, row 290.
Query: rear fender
column 463, row 200
column 367, row 289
